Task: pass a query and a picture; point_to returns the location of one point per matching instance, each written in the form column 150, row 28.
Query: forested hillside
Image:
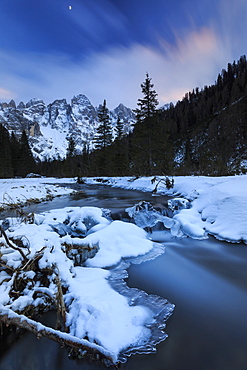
column 208, row 128
column 204, row 134
column 16, row 158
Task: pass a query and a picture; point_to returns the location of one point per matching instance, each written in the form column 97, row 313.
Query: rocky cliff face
column 50, row 126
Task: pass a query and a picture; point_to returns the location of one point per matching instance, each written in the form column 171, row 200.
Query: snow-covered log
column 9, row 317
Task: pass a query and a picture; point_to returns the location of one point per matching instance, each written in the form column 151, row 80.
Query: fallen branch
column 165, row 181
column 9, row 317
column 37, row 256
column 2, row 233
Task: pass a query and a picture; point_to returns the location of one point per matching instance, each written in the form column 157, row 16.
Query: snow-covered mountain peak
column 34, row 110
column 80, row 99
column 21, row 105
column 12, row 104
column 50, row 126
column 83, row 112
column 34, row 102
column 59, row 102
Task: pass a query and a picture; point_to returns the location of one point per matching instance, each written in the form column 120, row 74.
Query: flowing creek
column 206, row 280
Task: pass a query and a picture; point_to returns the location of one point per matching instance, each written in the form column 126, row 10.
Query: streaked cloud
column 6, row 94
column 115, row 74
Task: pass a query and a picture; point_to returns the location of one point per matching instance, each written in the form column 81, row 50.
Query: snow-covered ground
column 95, row 311
column 218, row 204
column 21, row 191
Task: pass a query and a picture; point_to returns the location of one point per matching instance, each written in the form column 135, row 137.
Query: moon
column 70, row 7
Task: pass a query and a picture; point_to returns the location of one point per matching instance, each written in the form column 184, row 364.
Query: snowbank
column 218, row 204
column 21, row 191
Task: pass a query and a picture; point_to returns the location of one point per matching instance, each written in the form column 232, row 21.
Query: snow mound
column 120, row 322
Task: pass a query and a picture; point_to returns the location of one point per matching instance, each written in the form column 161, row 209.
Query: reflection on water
column 206, row 280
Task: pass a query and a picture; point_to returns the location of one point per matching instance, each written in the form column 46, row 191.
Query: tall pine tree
column 6, row 169
column 26, row 161
column 145, row 128
column 102, row 161
column 70, row 152
column 119, row 128
column 148, row 104
column 104, row 131
column 15, row 153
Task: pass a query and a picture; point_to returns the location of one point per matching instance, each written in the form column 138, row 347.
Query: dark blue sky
column 49, row 26
column 103, row 48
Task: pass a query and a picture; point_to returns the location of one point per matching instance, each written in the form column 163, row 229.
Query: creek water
column 206, row 280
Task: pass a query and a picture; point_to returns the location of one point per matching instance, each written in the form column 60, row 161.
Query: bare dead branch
column 60, row 301
column 11, row 245
column 35, row 258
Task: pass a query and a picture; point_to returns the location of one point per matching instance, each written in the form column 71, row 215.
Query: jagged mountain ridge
column 49, row 127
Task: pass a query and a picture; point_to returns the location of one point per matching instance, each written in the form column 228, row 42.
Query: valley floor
column 218, row 204
column 203, row 206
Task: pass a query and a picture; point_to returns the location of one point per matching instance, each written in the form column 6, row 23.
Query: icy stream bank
column 218, row 204
column 120, row 320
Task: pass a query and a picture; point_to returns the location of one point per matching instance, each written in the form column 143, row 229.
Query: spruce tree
column 145, row 128
column 120, row 149
column 15, row 152
column 119, row 129
column 71, row 147
column 26, row 161
column 147, row 105
column 102, row 161
column 6, row 169
column 104, row 131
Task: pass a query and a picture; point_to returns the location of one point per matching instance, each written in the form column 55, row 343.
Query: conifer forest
column 203, row 134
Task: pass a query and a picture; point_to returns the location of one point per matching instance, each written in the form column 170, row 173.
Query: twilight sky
column 54, row 49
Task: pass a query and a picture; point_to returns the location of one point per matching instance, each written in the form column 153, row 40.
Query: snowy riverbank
column 30, row 190
column 54, row 243
column 218, row 204
column 61, row 258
